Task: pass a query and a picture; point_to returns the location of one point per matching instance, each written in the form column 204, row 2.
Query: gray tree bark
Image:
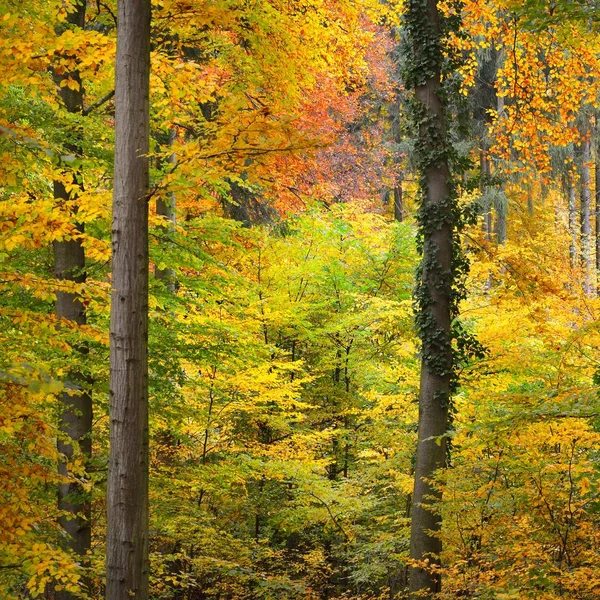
column 484, row 186
column 398, row 201
column 572, row 220
column 586, row 201
column 501, row 205
column 397, row 191
column 569, row 191
column 484, row 99
column 597, row 196
column 435, row 302
column 75, row 413
column 127, row 493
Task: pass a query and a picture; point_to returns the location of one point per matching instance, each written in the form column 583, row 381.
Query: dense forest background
column 283, row 355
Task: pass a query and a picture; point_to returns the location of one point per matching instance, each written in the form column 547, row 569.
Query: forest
column 299, row 299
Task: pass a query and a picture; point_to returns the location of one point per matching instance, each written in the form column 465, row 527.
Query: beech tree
column 586, row 205
column 75, row 417
column 596, row 144
column 127, row 494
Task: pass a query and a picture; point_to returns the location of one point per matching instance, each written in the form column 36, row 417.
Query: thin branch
column 86, row 111
column 333, row 517
column 35, row 144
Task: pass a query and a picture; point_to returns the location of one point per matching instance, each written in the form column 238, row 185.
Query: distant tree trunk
column 500, row 203
column 434, row 295
column 501, row 217
column 398, row 201
column 246, row 206
column 569, row 191
column 572, row 220
column 530, row 203
column 485, row 182
column 397, row 158
column 597, row 197
column 168, row 210
column 543, row 190
column 586, row 200
column 484, row 100
column 127, row 493
column 75, row 414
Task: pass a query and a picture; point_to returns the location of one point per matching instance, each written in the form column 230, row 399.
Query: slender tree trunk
column 572, row 219
column 398, row 200
column 75, row 415
column 501, row 214
column 569, row 178
column 127, row 494
column 485, row 182
column 168, row 210
column 586, row 200
column 434, row 295
column 397, row 139
column 597, row 197
column 396, row 157
column 501, row 205
column 543, row 190
column 530, row 204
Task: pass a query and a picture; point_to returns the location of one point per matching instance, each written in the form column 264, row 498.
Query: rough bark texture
column 75, row 414
column 127, row 494
column 435, row 305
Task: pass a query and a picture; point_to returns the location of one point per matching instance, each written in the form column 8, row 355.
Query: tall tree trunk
column 484, row 187
column 597, row 196
column 586, row 200
column 569, row 178
column 501, row 204
column 167, row 209
column 398, row 200
column 484, row 99
column 501, row 216
column 75, row 414
column 530, row 203
column 434, row 295
column 572, row 220
column 127, row 494
column 397, row 158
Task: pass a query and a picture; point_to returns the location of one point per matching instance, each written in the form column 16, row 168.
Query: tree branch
column 92, row 107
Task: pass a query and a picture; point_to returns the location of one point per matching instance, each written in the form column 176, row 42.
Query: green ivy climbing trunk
column 434, row 294
column 127, row 494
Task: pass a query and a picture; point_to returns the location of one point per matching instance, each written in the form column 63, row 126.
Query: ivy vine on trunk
column 440, row 286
